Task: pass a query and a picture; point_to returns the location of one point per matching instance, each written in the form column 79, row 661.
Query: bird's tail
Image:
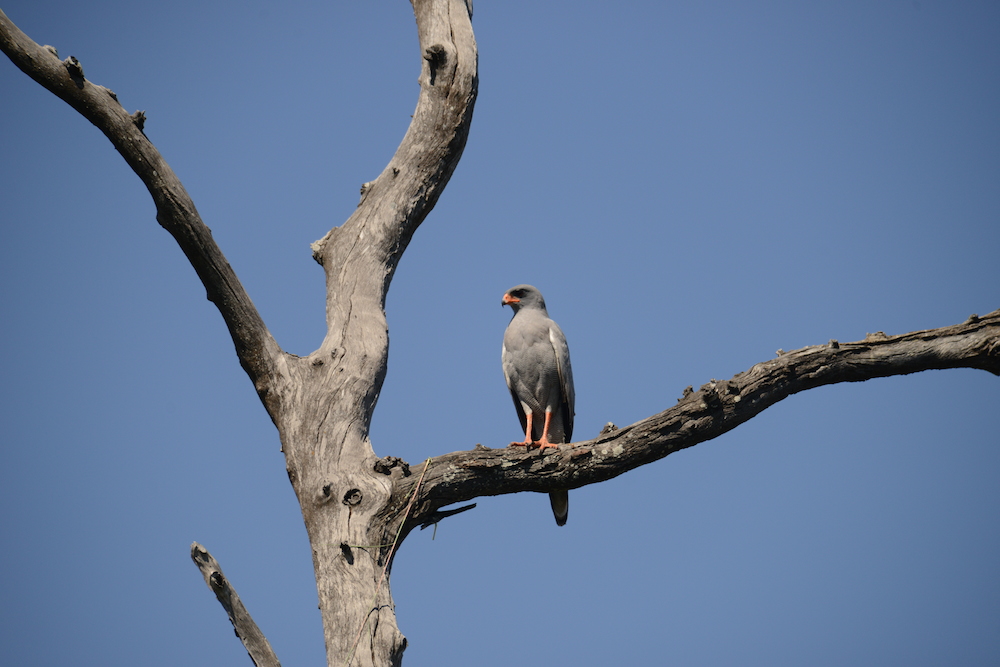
column 560, row 506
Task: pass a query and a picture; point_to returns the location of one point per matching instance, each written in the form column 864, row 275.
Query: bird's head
column 523, row 296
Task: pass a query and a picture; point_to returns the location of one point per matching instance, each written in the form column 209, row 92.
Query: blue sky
column 691, row 185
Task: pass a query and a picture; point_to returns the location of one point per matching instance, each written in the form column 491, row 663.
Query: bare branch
column 360, row 257
column 258, row 352
column 253, row 639
column 394, row 204
column 717, row 407
column 436, row 517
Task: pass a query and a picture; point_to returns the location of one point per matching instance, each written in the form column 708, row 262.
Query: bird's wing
column 565, row 368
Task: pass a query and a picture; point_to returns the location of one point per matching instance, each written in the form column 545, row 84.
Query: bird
column 539, row 376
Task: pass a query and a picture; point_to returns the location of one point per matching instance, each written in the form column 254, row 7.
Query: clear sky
column 692, row 185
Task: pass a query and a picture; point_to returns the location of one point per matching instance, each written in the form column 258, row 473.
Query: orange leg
column 527, row 434
column 544, row 442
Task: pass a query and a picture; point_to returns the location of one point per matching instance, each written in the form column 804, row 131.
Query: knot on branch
column 75, row 70
column 385, row 465
column 217, row 582
column 325, row 493
column 437, row 57
column 365, row 189
column 715, row 392
column 139, row 118
column 318, row 246
column 710, row 395
column 353, row 497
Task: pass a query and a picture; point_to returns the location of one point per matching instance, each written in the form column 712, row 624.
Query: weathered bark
column 357, row 507
column 324, row 429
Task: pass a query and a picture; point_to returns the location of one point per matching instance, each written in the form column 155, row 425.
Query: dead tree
column 322, row 404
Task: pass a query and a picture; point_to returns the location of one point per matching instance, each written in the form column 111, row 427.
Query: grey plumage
column 540, row 378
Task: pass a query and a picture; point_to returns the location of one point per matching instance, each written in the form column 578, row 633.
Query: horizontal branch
column 246, row 629
column 717, row 407
column 175, row 211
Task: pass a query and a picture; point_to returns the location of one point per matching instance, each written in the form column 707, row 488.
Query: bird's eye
column 518, row 293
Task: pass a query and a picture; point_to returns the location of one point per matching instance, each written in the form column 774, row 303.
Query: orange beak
column 508, row 299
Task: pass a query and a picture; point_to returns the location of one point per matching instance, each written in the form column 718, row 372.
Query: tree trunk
column 346, row 504
column 332, row 393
